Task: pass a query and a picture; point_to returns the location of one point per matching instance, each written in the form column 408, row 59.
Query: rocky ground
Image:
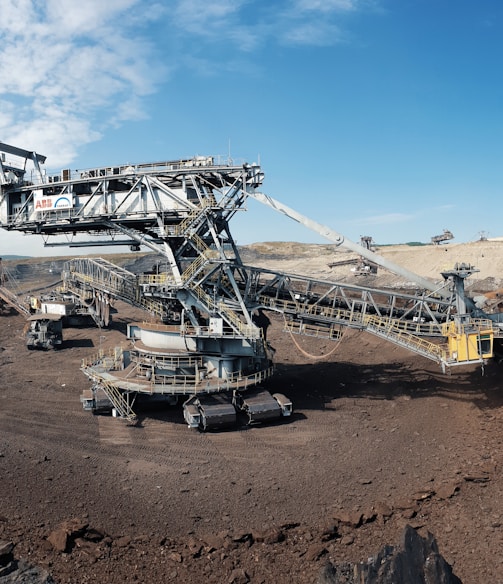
column 380, row 438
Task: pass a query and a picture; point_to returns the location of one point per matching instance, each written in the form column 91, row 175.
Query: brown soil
column 379, row 438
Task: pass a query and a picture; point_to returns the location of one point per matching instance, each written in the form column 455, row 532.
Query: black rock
column 416, row 560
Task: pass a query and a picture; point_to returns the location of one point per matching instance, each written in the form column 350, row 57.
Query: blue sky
column 374, row 117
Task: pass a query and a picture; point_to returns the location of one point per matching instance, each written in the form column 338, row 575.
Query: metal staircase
column 219, row 307
column 12, row 300
column 118, row 400
column 99, row 368
column 8, row 296
column 387, row 329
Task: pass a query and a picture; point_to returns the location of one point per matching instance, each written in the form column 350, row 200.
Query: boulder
column 415, row 560
column 6, row 548
column 349, row 518
column 315, row 551
column 269, row 536
column 19, row 572
column 60, row 540
column 238, row 576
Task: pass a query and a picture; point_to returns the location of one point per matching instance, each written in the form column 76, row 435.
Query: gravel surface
column 380, row 438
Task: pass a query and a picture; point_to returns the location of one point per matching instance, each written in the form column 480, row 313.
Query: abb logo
column 43, row 204
column 52, row 203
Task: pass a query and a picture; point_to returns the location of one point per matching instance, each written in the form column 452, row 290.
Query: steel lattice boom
column 210, row 331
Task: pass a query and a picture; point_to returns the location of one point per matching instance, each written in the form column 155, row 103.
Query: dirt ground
column 379, row 438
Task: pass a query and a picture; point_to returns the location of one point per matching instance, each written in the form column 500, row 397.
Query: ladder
column 12, row 300
column 386, row 329
column 117, row 399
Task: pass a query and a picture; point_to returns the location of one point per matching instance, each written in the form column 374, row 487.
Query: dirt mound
column 428, row 261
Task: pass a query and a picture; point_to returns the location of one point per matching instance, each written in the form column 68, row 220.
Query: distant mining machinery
column 442, row 238
column 204, row 340
column 361, row 265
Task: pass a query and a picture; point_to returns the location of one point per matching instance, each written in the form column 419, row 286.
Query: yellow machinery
column 469, row 342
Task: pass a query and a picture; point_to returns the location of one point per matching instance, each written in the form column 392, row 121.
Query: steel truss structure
column 210, row 334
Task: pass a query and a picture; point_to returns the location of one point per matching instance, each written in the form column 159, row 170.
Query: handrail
column 405, row 333
column 112, row 279
column 175, row 384
column 12, row 300
column 312, row 330
column 250, row 331
column 386, row 328
column 357, row 318
column 114, row 394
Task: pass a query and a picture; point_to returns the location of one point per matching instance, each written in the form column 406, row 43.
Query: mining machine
column 44, row 329
column 204, row 340
column 47, row 312
column 442, row 238
column 363, row 266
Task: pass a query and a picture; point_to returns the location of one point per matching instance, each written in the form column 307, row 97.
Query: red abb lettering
column 43, row 204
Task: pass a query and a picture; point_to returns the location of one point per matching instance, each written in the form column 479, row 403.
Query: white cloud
column 55, row 135
column 71, row 70
column 77, row 18
column 206, row 18
column 313, row 33
column 385, row 219
column 218, row 21
column 69, row 67
column 327, row 5
column 247, row 24
column 317, row 22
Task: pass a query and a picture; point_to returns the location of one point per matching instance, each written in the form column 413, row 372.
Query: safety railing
column 312, row 330
column 12, row 300
column 98, row 369
column 118, row 400
column 385, row 328
column 100, row 274
column 196, row 214
column 477, row 324
column 219, row 307
column 349, row 317
column 173, row 362
column 163, row 278
column 110, row 360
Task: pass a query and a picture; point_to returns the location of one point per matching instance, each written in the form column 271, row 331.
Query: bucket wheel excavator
column 204, row 339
